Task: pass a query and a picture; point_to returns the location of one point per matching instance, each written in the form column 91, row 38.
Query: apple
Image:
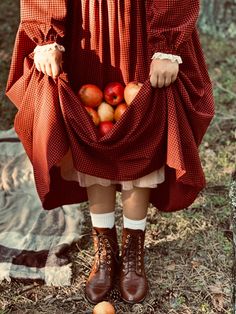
column 131, row 91
column 94, row 115
column 105, row 112
column 104, row 127
column 120, row 109
column 104, row 308
column 114, row 93
column 90, row 95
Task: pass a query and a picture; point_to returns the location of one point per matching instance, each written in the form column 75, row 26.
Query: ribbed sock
column 134, row 224
column 106, row 220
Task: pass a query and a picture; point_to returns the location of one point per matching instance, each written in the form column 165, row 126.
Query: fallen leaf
column 171, row 266
column 195, row 263
column 217, row 296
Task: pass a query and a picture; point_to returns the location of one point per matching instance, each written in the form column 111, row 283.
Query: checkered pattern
column 108, row 41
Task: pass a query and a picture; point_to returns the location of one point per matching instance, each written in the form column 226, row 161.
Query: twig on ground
column 28, row 288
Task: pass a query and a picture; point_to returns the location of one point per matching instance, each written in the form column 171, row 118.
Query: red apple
column 94, row 115
column 131, row 91
column 120, row 109
column 105, row 112
column 114, row 93
column 90, row 95
column 105, row 127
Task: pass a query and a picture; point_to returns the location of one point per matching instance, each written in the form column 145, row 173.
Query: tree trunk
column 218, row 18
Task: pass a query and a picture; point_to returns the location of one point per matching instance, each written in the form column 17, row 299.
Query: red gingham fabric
column 112, row 40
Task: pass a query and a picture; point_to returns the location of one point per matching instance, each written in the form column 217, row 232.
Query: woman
column 150, row 155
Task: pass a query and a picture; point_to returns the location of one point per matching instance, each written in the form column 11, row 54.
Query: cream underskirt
column 68, row 172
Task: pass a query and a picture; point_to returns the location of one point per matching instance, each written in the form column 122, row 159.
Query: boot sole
column 96, row 302
column 133, row 302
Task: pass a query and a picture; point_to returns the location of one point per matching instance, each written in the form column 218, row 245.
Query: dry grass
column 189, row 253
column 188, row 262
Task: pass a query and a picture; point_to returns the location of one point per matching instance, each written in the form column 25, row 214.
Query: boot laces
column 105, row 251
column 132, row 254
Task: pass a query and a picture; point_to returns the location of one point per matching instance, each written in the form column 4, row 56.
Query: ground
column 189, row 254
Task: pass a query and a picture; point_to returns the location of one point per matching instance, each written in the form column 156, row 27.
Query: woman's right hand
column 49, row 62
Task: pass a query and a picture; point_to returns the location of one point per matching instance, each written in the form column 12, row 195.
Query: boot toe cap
column 134, row 292
column 95, row 294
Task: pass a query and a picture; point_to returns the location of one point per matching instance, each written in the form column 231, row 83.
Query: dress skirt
column 107, row 41
column 69, row 173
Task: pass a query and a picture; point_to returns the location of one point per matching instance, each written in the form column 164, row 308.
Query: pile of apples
column 106, row 107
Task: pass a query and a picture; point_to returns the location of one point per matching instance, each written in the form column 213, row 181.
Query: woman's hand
column 49, row 62
column 163, row 72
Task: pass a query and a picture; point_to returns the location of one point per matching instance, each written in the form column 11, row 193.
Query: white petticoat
column 68, row 172
column 149, row 181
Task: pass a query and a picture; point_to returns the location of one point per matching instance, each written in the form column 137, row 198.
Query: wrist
column 49, row 47
column 167, row 56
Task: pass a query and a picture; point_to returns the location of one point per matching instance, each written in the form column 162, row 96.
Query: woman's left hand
column 163, row 72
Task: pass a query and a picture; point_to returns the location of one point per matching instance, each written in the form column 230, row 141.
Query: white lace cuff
column 49, row 47
column 172, row 58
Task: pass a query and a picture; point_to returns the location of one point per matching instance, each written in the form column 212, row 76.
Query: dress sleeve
column 171, row 23
column 44, row 20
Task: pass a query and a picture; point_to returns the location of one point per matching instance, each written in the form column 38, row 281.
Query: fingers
column 154, row 80
column 173, row 78
column 163, row 73
column 56, row 69
column 49, row 63
column 168, row 81
column 48, row 69
column 37, row 65
column 161, row 80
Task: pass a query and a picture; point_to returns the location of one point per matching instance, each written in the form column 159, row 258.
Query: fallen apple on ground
column 104, row 308
column 131, row 91
column 90, row 95
column 114, row 93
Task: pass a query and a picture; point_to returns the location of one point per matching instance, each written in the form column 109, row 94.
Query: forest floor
column 189, row 254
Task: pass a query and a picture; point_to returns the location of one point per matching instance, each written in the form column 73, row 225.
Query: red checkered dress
column 112, row 40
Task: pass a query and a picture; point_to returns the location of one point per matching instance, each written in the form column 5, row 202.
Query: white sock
column 106, row 220
column 134, row 224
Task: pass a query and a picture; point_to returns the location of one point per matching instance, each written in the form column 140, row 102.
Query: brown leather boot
column 101, row 278
column 133, row 281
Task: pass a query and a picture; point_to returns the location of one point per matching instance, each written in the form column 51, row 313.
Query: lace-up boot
column 105, row 265
column 133, row 281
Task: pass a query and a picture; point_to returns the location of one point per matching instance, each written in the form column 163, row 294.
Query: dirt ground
column 189, row 254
